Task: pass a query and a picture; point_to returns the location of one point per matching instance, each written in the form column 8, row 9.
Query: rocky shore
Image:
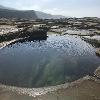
column 80, row 32
column 4, row 29
column 4, row 44
column 75, row 31
column 10, row 33
column 93, row 39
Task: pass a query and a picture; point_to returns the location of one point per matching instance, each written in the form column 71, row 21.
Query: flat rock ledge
column 4, row 44
column 95, row 39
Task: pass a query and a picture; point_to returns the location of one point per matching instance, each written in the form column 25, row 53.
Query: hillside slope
column 43, row 15
column 8, row 13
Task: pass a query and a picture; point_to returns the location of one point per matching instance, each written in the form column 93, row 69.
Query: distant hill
column 6, row 12
column 43, row 15
column 9, row 13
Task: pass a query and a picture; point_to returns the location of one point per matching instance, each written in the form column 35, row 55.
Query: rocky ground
column 75, row 31
column 80, row 32
column 4, row 29
column 4, row 44
column 95, row 38
column 95, row 41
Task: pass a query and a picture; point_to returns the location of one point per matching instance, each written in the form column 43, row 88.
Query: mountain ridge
column 7, row 12
column 44, row 15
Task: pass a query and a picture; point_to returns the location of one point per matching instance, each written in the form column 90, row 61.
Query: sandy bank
column 86, row 88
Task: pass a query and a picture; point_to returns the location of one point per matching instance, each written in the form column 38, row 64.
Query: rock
column 98, row 52
column 97, row 72
column 80, row 32
column 94, row 40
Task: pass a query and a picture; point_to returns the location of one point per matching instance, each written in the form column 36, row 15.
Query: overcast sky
column 74, row 8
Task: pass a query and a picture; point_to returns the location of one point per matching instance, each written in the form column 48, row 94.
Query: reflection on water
column 57, row 60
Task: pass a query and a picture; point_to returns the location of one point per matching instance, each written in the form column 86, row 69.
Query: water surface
column 57, row 60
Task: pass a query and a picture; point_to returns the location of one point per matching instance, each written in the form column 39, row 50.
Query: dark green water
column 57, row 60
